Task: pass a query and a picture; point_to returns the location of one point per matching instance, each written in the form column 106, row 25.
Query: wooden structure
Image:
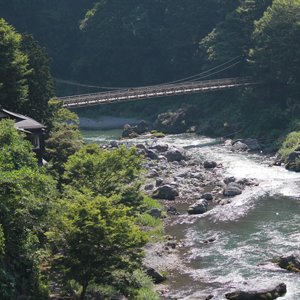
column 155, row 91
column 33, row 130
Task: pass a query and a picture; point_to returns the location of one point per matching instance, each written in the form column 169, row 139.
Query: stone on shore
column 232, row 189
column 155, row 275
column 200, row 207
column 252, row 144
column 161, row 147
column 175, row 155
column 172, row 122
column 209, row 164
column 239, row 146
column 264, row 294
column 166, row 192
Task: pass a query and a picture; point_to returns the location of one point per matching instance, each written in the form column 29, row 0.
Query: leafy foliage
column 15, row 152
column 103, row 172
column 291, row 143
column 97, row 239
column 39, row 80
column 275, row 55
column 13, row 68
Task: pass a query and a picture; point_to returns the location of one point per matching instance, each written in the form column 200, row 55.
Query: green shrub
column 146, row 294
column 291, row 142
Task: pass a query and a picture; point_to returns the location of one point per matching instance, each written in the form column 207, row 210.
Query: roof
column 23, row 122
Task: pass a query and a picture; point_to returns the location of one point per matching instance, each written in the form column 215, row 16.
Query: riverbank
column 235, row 240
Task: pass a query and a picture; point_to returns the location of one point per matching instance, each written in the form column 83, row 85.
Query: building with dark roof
column 33, row 130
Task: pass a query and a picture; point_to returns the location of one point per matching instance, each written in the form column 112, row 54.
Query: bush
column 290, row 144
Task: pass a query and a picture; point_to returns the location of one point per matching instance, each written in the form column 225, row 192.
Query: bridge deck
column 140, row 93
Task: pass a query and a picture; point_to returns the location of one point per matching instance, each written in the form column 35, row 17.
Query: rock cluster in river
column 269, row 293
column 172, row 174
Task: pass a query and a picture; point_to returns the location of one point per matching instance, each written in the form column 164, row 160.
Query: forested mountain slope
column 133, row 43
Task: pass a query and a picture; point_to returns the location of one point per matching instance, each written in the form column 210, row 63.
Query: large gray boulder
column 165, row 192
column 127, row 131
column 252, row 144
column 141, row 127
column 232, row 189
column 161, row 147
column 199, row 207
column 175, row 155
column 290, row 262
column 209, row 164
column 151, row 154
column 293, row 161
column 172, row 122
column 268, row 293
column 239, row 146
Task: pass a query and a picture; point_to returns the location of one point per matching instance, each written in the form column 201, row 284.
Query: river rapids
column 261, row 224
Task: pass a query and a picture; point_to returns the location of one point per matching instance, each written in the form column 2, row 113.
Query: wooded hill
column 133, row 43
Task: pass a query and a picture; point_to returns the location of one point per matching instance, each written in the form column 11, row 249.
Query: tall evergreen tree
column 13, row 69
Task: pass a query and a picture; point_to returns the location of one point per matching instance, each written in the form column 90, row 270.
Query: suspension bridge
column 190, row 85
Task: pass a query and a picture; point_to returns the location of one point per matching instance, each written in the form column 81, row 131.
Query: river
column 261, row 224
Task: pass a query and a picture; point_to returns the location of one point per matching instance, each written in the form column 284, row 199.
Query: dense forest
column 53, row 220
column 133, row 43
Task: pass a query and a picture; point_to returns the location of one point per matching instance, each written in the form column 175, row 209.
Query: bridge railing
column 152, row 91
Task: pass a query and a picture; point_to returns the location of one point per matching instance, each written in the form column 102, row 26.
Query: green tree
column 96, row 238
column 275, row 54
column 13, row 69
column 39, row 80
column 232, row 37
column 64, row 141
column 103, row 172
column 15, row 151
column 65, row 138
column 26, row 195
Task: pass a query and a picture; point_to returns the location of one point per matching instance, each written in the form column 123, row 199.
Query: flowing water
column 261, row 224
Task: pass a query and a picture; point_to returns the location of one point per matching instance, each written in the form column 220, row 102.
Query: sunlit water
column 261, row 224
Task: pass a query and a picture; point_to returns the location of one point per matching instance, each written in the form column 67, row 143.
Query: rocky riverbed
column 231, row 218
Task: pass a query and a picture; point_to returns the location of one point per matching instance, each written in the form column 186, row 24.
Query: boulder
column 159, row 182
column 293, row 161
column 270, row 293
column 290, row 262
column 209, row 164
column 228, row 143
column 229, row 179
column 141, row 127
column 155, row 275
column 114, row 144
column 127, row 131
column 155, row 212
column 161, row 147
column 172, row 122
column 248, row 182
column 165, row 192
column 175, row 155
column 207, row 196
column 252, row 144
column 149, row 187
column 172, row 211
column 151, row 154
column 232, row 189
column 239, row 146
column 200, row 207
